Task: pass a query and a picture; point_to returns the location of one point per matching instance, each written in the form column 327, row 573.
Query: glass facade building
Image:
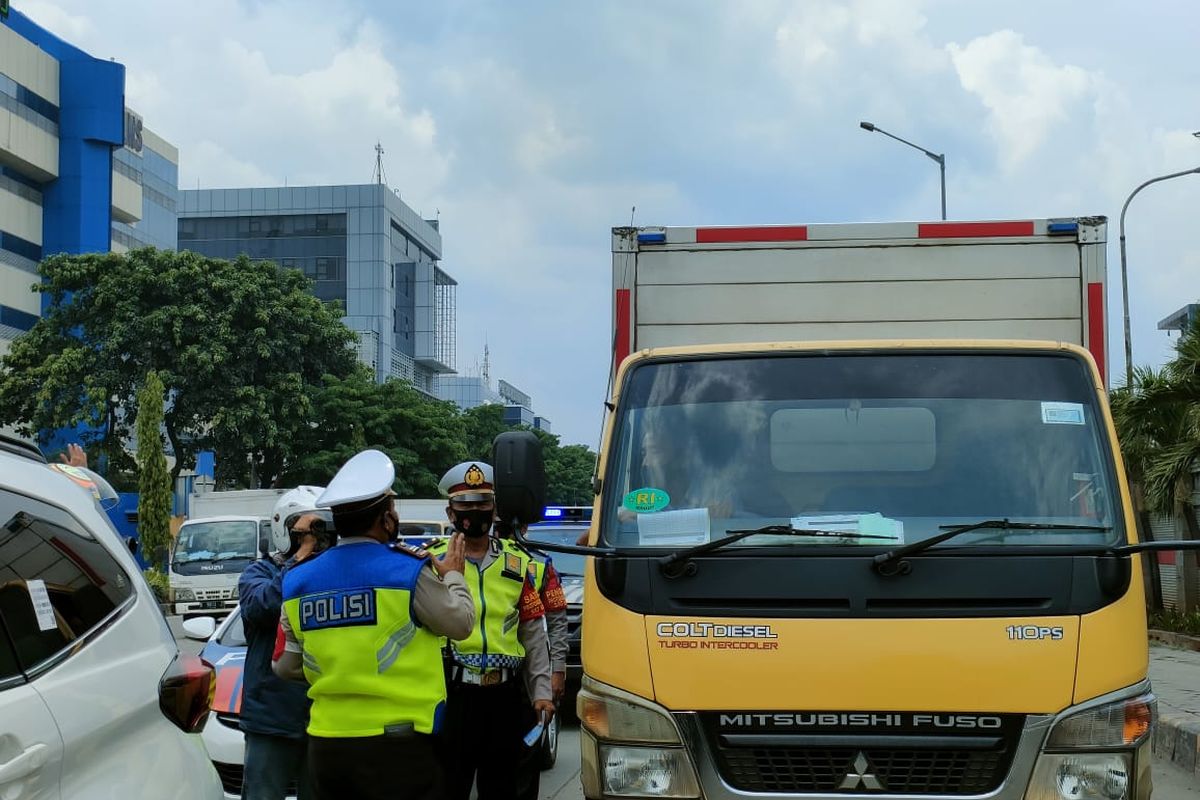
column 469, row 392
column 362, row 246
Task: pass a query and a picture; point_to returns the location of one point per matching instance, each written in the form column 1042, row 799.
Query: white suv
column 95, row 698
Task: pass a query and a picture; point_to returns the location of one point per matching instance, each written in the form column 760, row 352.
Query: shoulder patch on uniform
column 408, row 549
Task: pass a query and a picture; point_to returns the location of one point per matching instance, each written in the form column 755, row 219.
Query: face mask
column 473, row 523
column 393, row 531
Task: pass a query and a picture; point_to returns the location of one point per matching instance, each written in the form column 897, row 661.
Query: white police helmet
column 301, row 500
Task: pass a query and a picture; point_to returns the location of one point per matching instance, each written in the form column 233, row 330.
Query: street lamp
column 940, row 158
column 1124, row 275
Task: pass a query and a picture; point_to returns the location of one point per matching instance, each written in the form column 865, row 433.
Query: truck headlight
column 1120, row 725
column 1082, row 776
column 631, row 747
column 1094, row 754
column 184, row 595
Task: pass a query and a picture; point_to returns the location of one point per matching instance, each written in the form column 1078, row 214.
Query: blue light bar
column 1061, row 228
column 551, row 513
column 652, row 238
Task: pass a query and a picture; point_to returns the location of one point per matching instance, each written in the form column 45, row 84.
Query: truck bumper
column 205, row 608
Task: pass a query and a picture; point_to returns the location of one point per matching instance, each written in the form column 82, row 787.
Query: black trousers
column 481, row 741
column 375, row 768
column 529, row 766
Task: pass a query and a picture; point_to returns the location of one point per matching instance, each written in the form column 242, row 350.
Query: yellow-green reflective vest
column 370, row 666
column 496, row 590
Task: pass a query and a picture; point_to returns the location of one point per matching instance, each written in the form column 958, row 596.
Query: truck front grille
column 896, row 771
column 863, row 760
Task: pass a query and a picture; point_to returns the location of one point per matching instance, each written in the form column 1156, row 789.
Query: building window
column 22, row 247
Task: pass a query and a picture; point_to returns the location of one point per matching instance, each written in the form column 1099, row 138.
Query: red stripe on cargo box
column 1095, row 322
column 767, row 233
column 1166, row 557
column 973, row 230
column 621, row 341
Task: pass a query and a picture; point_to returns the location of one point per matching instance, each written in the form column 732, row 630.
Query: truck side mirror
column 519, row 476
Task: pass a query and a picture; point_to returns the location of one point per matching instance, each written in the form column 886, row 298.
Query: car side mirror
column 199, row 628
column 133, row 545
column 519, row 477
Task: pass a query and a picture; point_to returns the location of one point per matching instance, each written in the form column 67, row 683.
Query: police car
column 563, row 525
column 226, row 651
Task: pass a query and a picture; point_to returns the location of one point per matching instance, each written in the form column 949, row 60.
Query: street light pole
column 940, row 158
column 1124, row 272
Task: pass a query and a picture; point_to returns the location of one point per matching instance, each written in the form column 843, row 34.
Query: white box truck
column 861, row 524
column 224, row 532
column 1041, row 279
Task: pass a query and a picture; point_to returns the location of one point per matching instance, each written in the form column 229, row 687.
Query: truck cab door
column 31, row 748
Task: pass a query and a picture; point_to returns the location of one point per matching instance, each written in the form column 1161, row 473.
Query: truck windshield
column 217, row 541
column 888, row 447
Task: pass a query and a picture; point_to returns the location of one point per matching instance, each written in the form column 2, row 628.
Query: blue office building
column 79, row 172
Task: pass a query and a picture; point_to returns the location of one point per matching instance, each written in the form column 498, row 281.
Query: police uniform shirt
column 554, row 600
column 444, row 606
column 532, row 635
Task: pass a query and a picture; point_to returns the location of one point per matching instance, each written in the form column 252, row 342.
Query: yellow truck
column 862, row 526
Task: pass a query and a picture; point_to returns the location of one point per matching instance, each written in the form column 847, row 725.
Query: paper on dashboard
column 685, row 526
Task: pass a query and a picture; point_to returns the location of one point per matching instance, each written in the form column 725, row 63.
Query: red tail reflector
column 973, row 230
column 185, row 693
column 762, row 233
column 623, row 312
column 1095, row 321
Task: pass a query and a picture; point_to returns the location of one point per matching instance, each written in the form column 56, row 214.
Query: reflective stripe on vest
column 496, row 590
column 369, row 665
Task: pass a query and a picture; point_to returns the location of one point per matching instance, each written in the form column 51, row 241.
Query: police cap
column 367, row 476
column 470, row 481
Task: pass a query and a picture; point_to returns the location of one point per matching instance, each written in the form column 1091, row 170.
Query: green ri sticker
column 645, row 501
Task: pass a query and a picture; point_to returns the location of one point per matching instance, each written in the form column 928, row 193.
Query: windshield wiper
column 679, row 563
column 882, row 562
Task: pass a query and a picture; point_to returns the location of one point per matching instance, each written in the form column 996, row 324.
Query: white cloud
column 71, row 27
column 1025, row 91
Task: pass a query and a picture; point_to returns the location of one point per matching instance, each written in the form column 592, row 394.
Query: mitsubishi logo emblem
column 859, row 776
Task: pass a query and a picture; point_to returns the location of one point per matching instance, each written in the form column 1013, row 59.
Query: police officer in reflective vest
column 488, row 713
column 364, row 624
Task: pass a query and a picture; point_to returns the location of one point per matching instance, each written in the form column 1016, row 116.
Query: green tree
column 154, row 482
column 1158, row 424
column 483, row 424
column 238, row 345
column 423, row 436
column 569, row 471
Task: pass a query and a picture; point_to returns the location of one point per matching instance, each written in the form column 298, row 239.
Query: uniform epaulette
column 525, row 549
column 408, row 549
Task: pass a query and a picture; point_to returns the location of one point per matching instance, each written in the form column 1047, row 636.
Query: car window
column 234, row 635
column 10, row 670
column 57, row 582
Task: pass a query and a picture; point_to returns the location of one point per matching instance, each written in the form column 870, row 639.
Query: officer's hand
column 558, row 684
column 307, row 545
column 544, row 710
column 454, row 558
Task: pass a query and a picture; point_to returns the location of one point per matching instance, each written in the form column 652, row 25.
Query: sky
column 533, row 128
